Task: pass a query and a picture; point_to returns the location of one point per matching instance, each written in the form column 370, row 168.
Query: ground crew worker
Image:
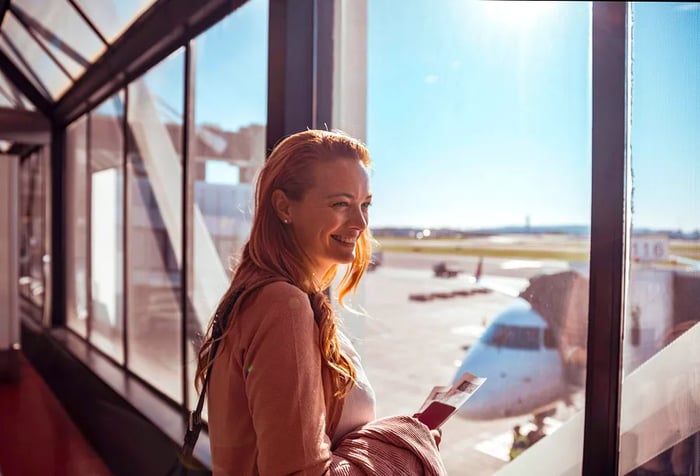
column 520, row 443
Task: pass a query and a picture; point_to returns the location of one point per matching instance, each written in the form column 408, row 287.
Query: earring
column 286, row 221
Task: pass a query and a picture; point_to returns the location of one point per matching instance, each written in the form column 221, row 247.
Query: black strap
column 194, row 423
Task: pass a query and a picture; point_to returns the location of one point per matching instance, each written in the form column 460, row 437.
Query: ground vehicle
column 376, row 260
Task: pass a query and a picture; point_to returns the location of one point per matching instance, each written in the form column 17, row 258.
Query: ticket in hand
column 443, row 402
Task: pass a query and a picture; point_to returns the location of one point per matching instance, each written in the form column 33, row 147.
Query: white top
column 359, row 406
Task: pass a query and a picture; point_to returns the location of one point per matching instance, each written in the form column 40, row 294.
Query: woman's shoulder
column 277, row 310
column 280, row 297
column 282, row 291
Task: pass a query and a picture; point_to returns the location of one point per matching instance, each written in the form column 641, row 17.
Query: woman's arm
column 286, row 399
column 283, row 383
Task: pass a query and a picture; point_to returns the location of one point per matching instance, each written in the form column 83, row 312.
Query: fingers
column 437, row 436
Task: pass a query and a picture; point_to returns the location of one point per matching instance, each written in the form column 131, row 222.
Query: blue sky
column 479, row 115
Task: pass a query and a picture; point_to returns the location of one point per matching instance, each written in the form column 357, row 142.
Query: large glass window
column 34, row 257
column 479, row 120
column 660, row 415
column 154, row 225
column 106, row 165
column 77, row 226
column 228, row 146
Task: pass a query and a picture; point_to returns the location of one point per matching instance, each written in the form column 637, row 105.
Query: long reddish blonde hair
column 272, row 253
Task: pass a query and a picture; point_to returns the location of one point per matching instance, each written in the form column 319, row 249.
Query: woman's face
column 332, row 214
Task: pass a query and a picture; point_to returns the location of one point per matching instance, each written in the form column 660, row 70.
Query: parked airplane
column 534, row 352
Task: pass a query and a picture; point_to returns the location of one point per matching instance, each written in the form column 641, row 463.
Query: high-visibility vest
column 520, row 444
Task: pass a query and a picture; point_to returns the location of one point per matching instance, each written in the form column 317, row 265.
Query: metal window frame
column 89, row 22
column 126, row 197
column 88, row 229
column 164, row 27
column 19, row 81
column 609, row 238
column 187, row 214
column 4, row 6
column 300, row 67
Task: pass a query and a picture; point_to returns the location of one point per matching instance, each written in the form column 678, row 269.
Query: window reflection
column 33, row 257
column 77, row 226
column 154, row 228
column 106, row 226
column 661, row 390
column 228, row 145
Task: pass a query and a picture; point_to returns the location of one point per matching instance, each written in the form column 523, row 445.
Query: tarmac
column 407, row 347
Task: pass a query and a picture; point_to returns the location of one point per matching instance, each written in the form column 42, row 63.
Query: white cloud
column 688, row 7
column 431, row 78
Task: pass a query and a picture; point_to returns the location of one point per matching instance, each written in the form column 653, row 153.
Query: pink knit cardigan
column 392, row 446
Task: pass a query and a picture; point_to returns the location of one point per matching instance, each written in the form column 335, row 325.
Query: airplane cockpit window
column 513, row 337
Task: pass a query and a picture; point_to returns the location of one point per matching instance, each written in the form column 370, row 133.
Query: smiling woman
column 281, row 344
column 331, row 216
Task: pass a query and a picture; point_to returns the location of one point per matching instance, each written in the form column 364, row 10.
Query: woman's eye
column 366, row 205
column 340, row 204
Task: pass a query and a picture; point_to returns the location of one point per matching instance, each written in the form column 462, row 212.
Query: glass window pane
column 485, row 109
column 41, row 64
column 9, row 50
column 74, row 68
column 77, row 226
column 33, row 259
column 660, row 413
column 7, row 99
column 11, row 97
column 154, row 228
column 106, row 226
column 113, row 17
column 60, row 25
column 228, row 142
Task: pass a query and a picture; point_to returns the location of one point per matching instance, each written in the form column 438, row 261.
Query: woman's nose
column 359, row 218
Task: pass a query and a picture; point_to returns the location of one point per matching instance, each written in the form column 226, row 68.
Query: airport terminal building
column 131, row 134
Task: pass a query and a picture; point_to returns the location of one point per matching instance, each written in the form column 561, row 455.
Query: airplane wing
column 503, row 284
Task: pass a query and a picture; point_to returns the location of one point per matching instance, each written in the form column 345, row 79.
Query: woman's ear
column 280, row 203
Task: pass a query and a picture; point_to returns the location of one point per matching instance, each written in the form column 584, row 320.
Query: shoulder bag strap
column 194, row 423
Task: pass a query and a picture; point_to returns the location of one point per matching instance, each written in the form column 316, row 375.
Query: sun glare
column 515, row 14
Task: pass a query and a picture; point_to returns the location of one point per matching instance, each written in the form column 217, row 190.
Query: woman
column 287, row 393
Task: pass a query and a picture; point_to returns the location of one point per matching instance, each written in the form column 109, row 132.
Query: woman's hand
column 437, row 435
